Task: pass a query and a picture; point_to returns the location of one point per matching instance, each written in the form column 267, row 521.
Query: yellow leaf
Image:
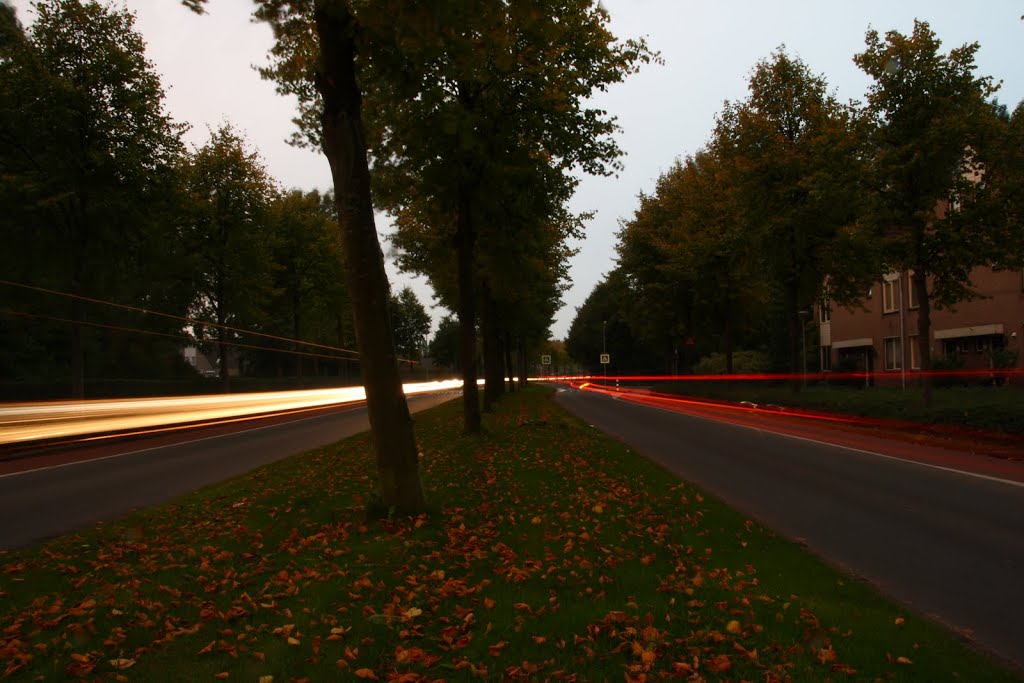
column 266, row 679
column 122, row 663
column 293, row 641
column 598, row 509
column 535, row 520
column 903, row 660
column 899, row 621
column 733, row 627
column 413, row 612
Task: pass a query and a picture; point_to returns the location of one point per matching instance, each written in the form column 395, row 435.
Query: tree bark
column 494, row 374
column 465, row 244
column 344, row 143
column 509, row 368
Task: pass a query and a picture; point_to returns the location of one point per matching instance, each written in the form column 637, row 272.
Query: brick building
column 882, row 335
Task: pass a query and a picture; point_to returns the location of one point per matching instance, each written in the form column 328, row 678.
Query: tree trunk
column 494, row 373
column 222, row 346
column 924, row 331
column 795, row 327
column 509, row 368
column 344, row 143
column 465, row 244
column 77, row 352
column 522, row 363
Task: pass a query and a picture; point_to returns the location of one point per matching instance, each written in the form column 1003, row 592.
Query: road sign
column 545, row 359
column 606, row 358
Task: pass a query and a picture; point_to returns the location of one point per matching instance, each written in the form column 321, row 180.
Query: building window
column 980, row 345
column 893, row 353
column 890, row 296
column 912, row 301
column 915, row 352
column 824, row 311
column 826, row 358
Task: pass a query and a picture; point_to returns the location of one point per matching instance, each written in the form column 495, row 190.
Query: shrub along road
column 947, row 543
column 556, row 553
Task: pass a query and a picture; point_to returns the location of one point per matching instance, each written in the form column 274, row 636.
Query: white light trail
column 26, row 422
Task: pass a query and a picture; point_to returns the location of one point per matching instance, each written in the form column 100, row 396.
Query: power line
column 193, row 321
column 118, row 328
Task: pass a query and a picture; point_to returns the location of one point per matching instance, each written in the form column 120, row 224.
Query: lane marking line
column 1011, row 482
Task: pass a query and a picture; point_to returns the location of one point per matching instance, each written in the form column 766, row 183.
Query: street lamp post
column 604, row 347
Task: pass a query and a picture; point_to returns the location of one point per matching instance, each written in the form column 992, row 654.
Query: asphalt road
column 948, row 545
column 43, row 503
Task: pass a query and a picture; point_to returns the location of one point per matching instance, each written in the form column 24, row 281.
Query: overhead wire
column 194, row 321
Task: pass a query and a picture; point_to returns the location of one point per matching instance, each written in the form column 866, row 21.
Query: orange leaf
column 719, row 663
column 903, row 660
column 366, row 673
column 222, row 675
column 733, row 627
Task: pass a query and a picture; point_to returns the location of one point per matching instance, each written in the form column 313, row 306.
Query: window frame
column 915, row 351
column 890, row 290
column 897, row 357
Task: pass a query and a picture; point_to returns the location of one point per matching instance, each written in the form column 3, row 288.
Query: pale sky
column 666, row 111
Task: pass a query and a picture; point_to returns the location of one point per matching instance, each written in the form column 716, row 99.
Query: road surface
column 75, row 489
column 947, row 544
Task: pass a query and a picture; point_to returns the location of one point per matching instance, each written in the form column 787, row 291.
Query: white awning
column 853, row 343
column 975, row 331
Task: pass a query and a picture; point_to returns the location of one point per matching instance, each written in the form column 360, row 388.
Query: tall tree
column 88, row 152
column 793, row 154
column 410, row 322
column 931, row 142
column 307, row 295
column 230, row 195
column 321, row 48
column 479, row 105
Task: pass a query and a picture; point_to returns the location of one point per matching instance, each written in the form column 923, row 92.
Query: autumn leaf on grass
column 826, row 655
column 733, row 627
column 366, row 673
column 122, row 663
column 903, row 660
column 719, row 663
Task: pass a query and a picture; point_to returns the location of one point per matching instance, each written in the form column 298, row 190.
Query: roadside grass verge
column 555, row 553
column 996, row 409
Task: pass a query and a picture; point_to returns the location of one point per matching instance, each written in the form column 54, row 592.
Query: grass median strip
column 555, row 553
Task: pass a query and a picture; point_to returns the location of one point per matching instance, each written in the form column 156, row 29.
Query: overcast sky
column 665, row 111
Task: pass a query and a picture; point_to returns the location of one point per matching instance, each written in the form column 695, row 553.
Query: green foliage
column 410, row 324
column 742, row 361
column 90, row 192
column 444, row 346
column 602, row 323
column 230, row 195
column 933, row 134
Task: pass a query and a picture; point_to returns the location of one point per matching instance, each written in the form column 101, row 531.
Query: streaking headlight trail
column 26, row 422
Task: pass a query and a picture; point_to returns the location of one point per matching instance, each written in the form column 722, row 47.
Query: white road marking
column 976, row 475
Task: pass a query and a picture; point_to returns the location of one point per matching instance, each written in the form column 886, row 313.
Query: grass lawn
column 998, row 409
column 557, row 553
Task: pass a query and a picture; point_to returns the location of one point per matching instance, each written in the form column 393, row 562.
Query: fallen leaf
column 733, row 627
column 121, row 664
column 366, row 673
column 903, row 660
